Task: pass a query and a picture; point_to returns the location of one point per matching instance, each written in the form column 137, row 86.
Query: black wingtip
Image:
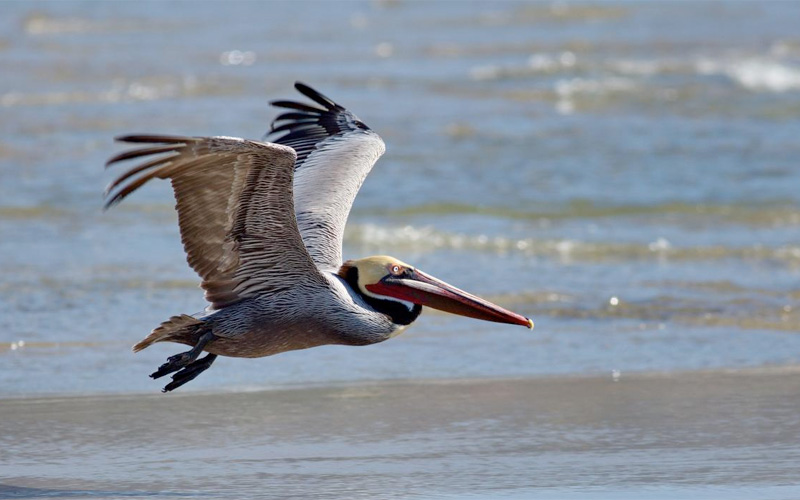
column 307, row 121
column 326, row 102
column 317, row 97
column 110, row 203
column 296, row 106
column 153, row 138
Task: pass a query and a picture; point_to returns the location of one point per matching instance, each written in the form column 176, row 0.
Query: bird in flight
column 262, row 224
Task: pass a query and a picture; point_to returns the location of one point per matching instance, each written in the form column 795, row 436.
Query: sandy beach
column 692, row 435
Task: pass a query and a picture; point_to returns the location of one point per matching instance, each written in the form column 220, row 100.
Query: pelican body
column 262, row 225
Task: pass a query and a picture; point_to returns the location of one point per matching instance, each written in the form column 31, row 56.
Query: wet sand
column 692, row 435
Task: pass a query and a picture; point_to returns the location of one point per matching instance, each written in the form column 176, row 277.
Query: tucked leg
column 189, row 372
column 178, row 361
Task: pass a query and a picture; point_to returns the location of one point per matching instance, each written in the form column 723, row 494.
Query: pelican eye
column 398, row 271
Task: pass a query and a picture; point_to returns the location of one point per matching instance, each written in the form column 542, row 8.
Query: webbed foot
column 189, row 372
column 185, row 360
column 174, row 363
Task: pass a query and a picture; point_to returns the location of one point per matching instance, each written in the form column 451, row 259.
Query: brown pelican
column 262, row 224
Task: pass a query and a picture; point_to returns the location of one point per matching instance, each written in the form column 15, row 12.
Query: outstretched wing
column 335, row 152
column 235, row 210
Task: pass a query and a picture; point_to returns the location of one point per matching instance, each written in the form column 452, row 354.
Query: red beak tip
column 530, row 323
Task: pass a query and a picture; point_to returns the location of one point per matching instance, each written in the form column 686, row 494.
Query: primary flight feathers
column 228, row 188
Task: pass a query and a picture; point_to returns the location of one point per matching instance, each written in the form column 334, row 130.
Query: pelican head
column 400, row 290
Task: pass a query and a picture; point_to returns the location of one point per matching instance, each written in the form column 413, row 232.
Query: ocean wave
column 540, row 13
column 146, row 89
column 770, row 216
column 590, row 73
column 756, row 73
column 767, row 216
column 752, row 73
column 429, row 238
column 540, row 63
column 45, row 24
column 664, row 310
column 570, row 91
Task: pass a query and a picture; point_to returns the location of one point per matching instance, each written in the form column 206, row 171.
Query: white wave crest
column 756, row 74
column 427, row 239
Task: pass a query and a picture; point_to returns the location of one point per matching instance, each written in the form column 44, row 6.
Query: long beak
column 426, row 290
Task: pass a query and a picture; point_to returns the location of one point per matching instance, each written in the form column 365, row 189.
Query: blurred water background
column 624, row 173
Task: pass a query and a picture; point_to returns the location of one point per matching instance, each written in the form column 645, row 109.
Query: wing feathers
column 130, row 173
column 335, row 152
column 317, row 97
column 135, row 153
column 295, row 105
column 295, row 116
column 235, row 210
column 156, row 138
column 296, row 126
column 241, row 208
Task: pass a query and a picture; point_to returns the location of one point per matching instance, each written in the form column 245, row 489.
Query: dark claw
column 190, row 372
column 173, row 364
column 186, row 364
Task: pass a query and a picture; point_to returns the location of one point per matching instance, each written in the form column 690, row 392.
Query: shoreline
column 766, row 370
column 512, row 438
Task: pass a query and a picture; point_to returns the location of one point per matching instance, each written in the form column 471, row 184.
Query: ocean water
column 626, row 174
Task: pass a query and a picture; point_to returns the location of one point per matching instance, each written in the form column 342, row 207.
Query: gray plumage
column 264, row 232
column 262, row 225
